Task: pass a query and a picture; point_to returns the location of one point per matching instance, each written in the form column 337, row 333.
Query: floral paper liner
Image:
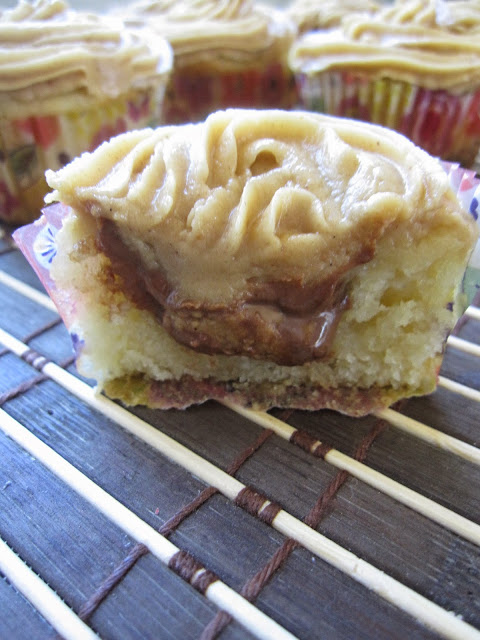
column 191, row 96
column 467, row 187
column 29, row 146
column 444, row 124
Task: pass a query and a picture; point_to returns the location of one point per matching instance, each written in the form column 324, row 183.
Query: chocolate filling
column 286, row 321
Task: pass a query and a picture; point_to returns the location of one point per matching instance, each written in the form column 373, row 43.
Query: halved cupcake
column 270, row 258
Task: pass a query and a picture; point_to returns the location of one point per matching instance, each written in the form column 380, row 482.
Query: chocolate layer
column 179, row 394
column 286, row 322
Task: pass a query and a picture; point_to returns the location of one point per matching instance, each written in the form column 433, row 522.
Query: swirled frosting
column 455, row 17
column 310, row 16
column 431, row 43
column 256, row 197
column 217, row 33
column 57, row 58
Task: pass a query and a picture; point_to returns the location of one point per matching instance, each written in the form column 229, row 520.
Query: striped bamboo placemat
column 224, row 522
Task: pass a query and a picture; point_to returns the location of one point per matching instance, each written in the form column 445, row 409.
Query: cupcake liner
column 467, row 187
column 37, row 242
column 29, row 146
column 191, row 96
column 442, row 123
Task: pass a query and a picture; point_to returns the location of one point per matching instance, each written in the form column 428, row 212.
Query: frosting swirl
column 430, row 43
column 220, row 200
column 216, row 33
column 60, row 58
column 326, row 14
column 461, row 16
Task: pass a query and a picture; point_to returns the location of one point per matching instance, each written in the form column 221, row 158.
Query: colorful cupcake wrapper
column 192, row 96
column 29, row 146
column 444, row 124
column 467, row 187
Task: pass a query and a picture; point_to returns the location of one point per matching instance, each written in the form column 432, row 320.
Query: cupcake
column 226, row 54
column 414, row 67
column 257, row 257
column 68, row 81
column 310, row 16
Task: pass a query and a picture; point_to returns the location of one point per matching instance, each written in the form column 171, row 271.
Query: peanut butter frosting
column 221, row 34
column 455, row 16
column 58, row 58
column 431, row 43
column 251, row 198
column 310, row 16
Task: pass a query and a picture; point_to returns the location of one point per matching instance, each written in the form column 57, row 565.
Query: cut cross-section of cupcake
column 272, row 258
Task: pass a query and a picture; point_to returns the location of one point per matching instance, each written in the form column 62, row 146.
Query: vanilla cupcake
column 68, row 81
column 227, row 53
column 258, row 257
column 414, row 67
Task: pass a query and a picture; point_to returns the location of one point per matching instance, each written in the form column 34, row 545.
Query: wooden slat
column 250, row 617
column 396, row 490
column 229, row 523
column 431, row 435
column 42, row 597
column 19, row 619
column 284, row 522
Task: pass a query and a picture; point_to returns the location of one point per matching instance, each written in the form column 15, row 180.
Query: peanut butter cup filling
column 284, row 321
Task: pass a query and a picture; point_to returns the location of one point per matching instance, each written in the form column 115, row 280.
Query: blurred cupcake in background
column 68, row 81
column 413, row 66
column 310, row 16
column 227, row 53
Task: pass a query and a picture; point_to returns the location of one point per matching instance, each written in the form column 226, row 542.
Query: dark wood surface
column 74, row 548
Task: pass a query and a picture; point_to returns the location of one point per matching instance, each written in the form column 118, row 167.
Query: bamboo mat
column 216, row 522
